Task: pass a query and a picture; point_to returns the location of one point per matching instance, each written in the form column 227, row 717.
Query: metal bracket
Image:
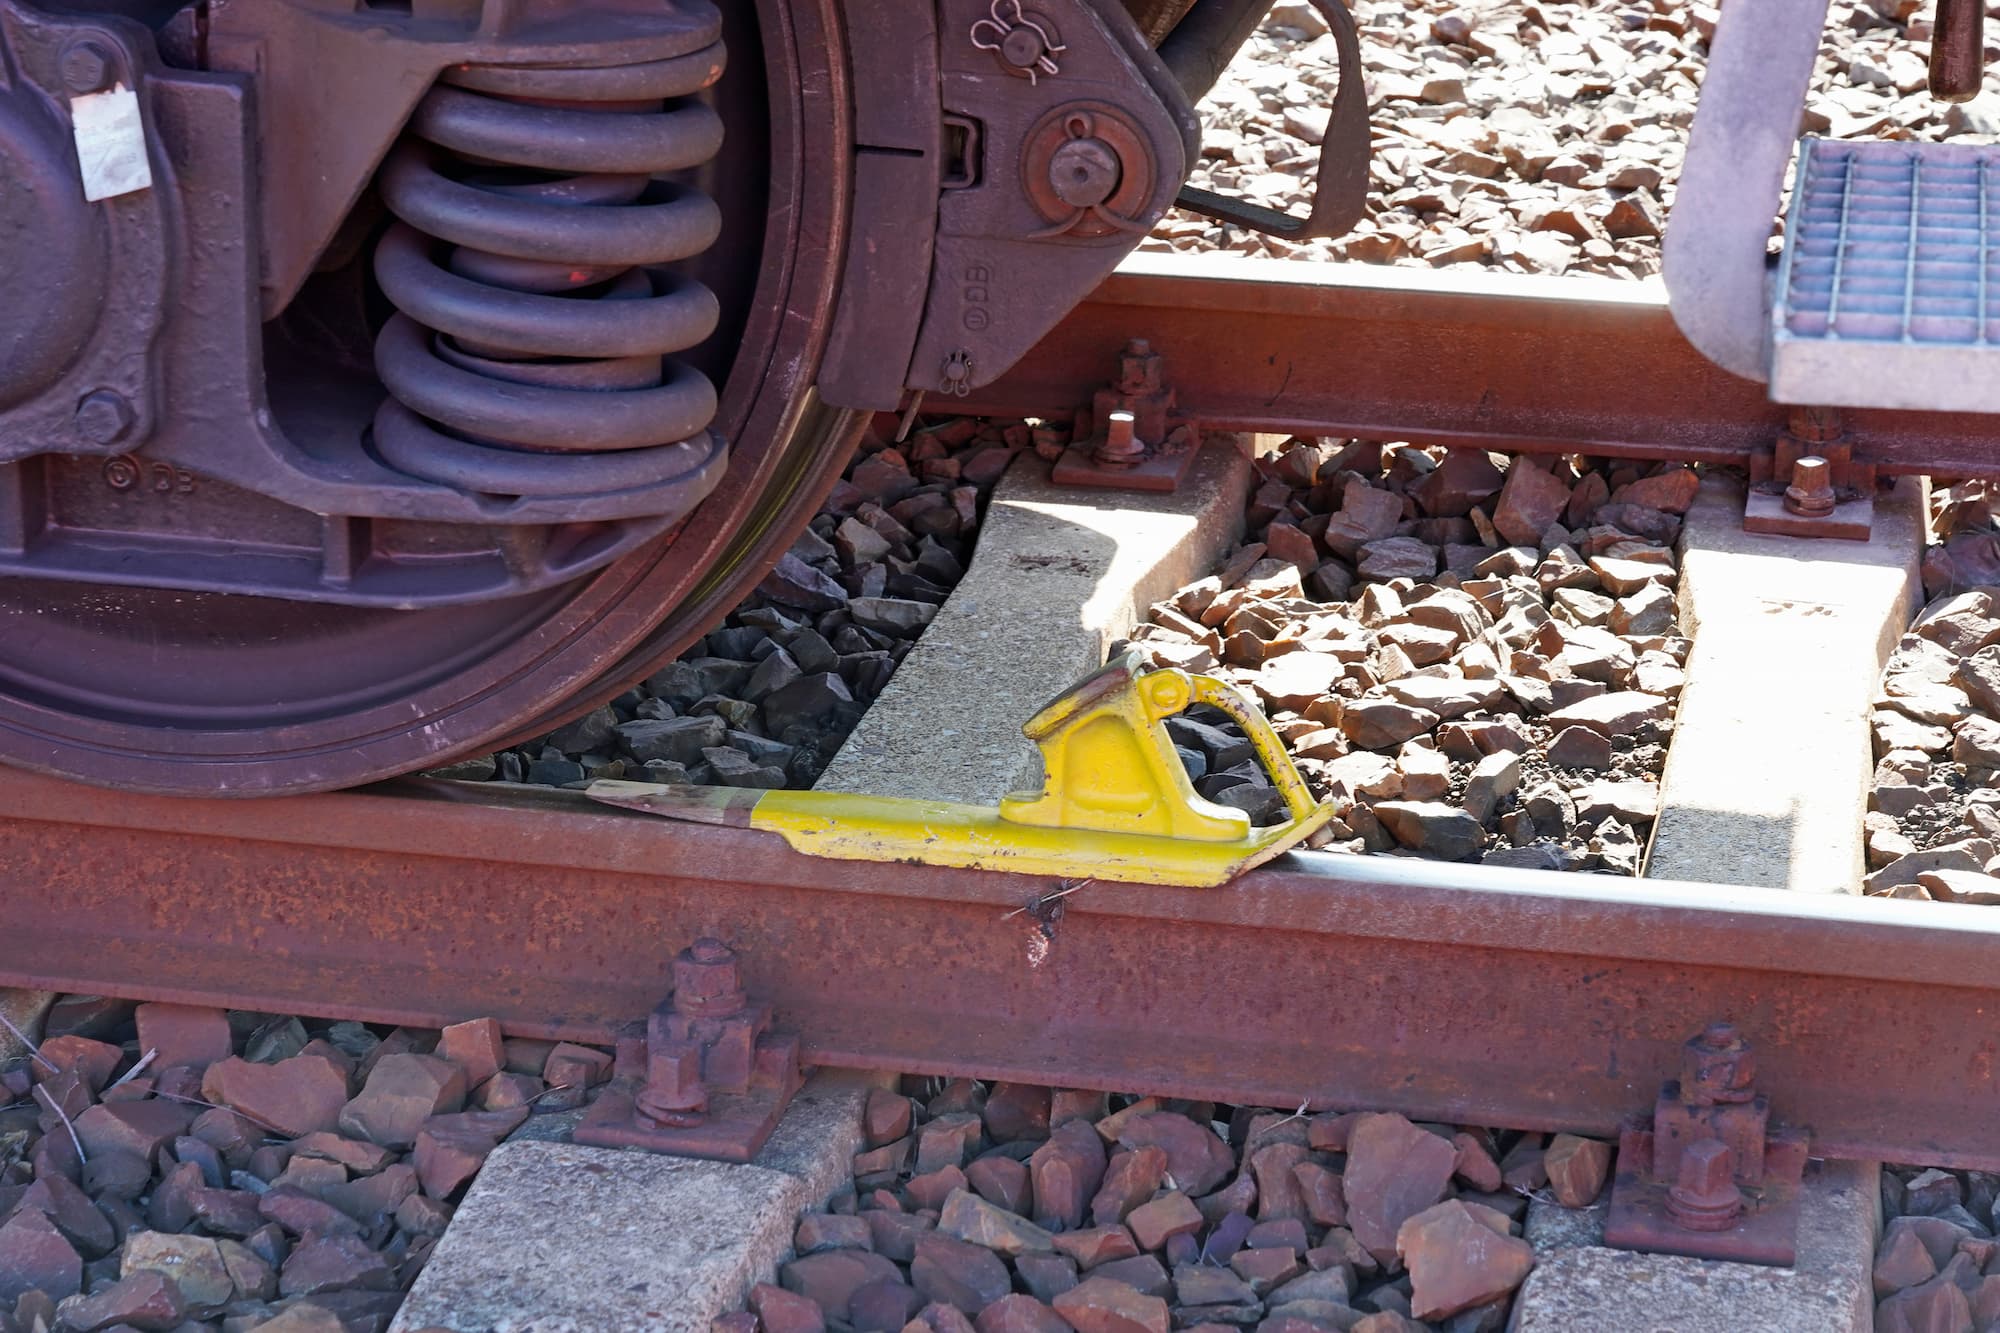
column 1131, row 437
column 1710, row 1175
column 1809, row 484
column 708, row 1078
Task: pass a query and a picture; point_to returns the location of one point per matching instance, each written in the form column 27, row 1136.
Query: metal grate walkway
column 1883, row 288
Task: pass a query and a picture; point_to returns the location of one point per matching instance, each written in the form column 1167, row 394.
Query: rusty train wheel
column 210, row 694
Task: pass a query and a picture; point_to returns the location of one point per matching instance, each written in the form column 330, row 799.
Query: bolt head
column 1022, row 47
column 673, row 1093
column 104, row 417
column 1084, row 172
column 1119, row 447
column 1811, row 492
column 1141, row 372
column 87, row 67
column 1705, row 1197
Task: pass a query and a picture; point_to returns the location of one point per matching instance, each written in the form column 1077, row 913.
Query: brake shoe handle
column 1340, row 192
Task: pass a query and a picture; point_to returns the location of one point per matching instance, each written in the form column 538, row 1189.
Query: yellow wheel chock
column 1115, row 804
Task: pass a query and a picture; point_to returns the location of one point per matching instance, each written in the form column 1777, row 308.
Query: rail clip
column 1133, row 435
column 707, row 1077
column 1810, row 484
column 1709, row 1175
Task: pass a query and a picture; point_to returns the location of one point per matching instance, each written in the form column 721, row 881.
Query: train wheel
column 492, row 350
column 192, row 692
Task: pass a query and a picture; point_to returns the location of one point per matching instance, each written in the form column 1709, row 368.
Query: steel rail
column 1507, row 362
column 1467, row 995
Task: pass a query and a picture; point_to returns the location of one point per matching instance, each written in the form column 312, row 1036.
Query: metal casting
column 398, row 621
column 432, row 368
column 293, row 495
column 86, row 281
column 1111, row 130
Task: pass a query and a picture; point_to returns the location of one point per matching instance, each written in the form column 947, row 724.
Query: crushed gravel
column 1012, row 1208
column 1477, row 659
column 1933, row 821
column 1527, row 136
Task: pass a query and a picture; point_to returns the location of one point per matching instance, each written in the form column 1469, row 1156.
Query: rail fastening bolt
column 707, row 980
column 1704, row 1197
column 104, row 417
column 1717, row 1066
column 86, row 67
column 1811, row 492
column 1119, row 447
column 1140, row 372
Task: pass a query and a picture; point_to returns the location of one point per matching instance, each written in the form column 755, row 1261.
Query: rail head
column 1404, row 899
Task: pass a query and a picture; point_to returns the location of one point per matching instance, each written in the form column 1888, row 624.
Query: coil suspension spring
column 530, row 351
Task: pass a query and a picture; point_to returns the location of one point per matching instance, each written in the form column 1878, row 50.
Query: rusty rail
column 1468, row 995
column 1512, row 363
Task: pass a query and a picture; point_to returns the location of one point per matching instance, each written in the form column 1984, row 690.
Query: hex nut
column 87, row 66
column 104, row 417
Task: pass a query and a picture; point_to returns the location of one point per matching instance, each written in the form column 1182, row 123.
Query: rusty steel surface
column 1132, row 438
column 707, row 1076
column 1478, row 996
column 1511, row 363
column 1709, row 1174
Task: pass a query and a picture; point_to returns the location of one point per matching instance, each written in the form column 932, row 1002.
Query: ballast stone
column 1616, row 714
column 1439, row 830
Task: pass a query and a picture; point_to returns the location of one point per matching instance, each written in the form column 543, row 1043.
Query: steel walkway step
column 1882, row 295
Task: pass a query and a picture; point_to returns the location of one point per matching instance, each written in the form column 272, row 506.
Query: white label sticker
column 110, row 143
